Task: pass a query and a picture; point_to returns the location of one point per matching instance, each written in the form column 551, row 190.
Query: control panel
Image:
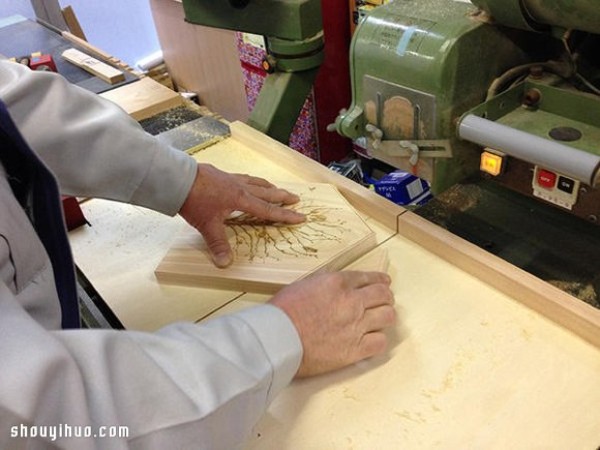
column 542, row 183
column 555, row 187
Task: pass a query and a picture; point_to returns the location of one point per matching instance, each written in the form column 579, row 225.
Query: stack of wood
column 160, row 73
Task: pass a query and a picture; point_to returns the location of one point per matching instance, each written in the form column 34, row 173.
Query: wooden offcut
column 94, row 66
column 72, row 22
column 268, row 256
column 144, row 98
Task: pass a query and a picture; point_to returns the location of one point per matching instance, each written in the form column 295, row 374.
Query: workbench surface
column 470, row 366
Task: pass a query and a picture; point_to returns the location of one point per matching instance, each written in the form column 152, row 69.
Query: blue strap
column 37, row 190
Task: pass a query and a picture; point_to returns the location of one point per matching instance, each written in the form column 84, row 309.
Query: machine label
column 405, row 40
column 402, row 33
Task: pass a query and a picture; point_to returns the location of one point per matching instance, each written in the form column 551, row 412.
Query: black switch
column 565, row 184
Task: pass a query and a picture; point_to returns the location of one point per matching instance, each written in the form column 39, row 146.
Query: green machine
column 445, row 88
column 293, row 32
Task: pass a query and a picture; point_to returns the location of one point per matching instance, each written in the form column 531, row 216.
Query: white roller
column 150, row 61
column 577, row 164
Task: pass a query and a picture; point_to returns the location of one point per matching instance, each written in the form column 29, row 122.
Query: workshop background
column 492, row 348
column 131, row 33
column 222, row 70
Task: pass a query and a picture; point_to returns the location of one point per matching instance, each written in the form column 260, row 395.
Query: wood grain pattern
column 364, row 200
column 72, row 22
column 467, row 368
column 144, row 98
column 269, row 256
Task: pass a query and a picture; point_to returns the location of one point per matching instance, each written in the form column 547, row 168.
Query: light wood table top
column 471, row 365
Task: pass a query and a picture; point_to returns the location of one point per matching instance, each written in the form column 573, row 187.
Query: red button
column 546, row 178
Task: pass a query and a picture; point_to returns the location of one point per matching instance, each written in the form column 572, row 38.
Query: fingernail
column 222, row 259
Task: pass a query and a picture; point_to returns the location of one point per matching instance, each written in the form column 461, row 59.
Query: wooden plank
column 201, row 59
column 368, row 202
column 99, row 53
column 89, row 48
column 144, row 98
column 377, row 260
column 270, row 256
column 72, row 22
column 94, row 66
column 562, row 308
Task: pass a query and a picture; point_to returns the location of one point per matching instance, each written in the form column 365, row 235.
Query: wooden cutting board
column 270, row 256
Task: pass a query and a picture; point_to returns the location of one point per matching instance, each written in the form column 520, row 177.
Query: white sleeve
column 93, row 147
column 186, row 386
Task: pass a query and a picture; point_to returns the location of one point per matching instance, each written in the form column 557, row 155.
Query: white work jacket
column 185, row 386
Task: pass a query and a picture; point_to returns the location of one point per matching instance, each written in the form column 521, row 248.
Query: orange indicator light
column 491, row 163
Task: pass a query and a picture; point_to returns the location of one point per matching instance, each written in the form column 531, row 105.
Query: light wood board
column 72, row 22
column 118, row 254
column 474, row 363
column 269, row 256
column 93, row 66
column 144, row 98
column 376, row 260
column 564, row 309
column 201, row 59
column 467, row 368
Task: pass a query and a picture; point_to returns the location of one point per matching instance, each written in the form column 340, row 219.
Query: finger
column 374, row 295
column 371, row 344
column 359, row 279
column 377, row 319
column 269, row 211
column 249, row 179
column 218, row 246
column 267, row 191
column 273, row 194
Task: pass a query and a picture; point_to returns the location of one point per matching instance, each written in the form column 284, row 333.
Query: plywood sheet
column 118, row 254
column 269, row 256
column 468, row 368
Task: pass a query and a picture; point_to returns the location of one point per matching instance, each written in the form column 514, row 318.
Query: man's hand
column 339, row 316
column 216, row 194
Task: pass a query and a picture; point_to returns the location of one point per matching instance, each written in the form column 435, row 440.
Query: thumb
column 218, row 246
